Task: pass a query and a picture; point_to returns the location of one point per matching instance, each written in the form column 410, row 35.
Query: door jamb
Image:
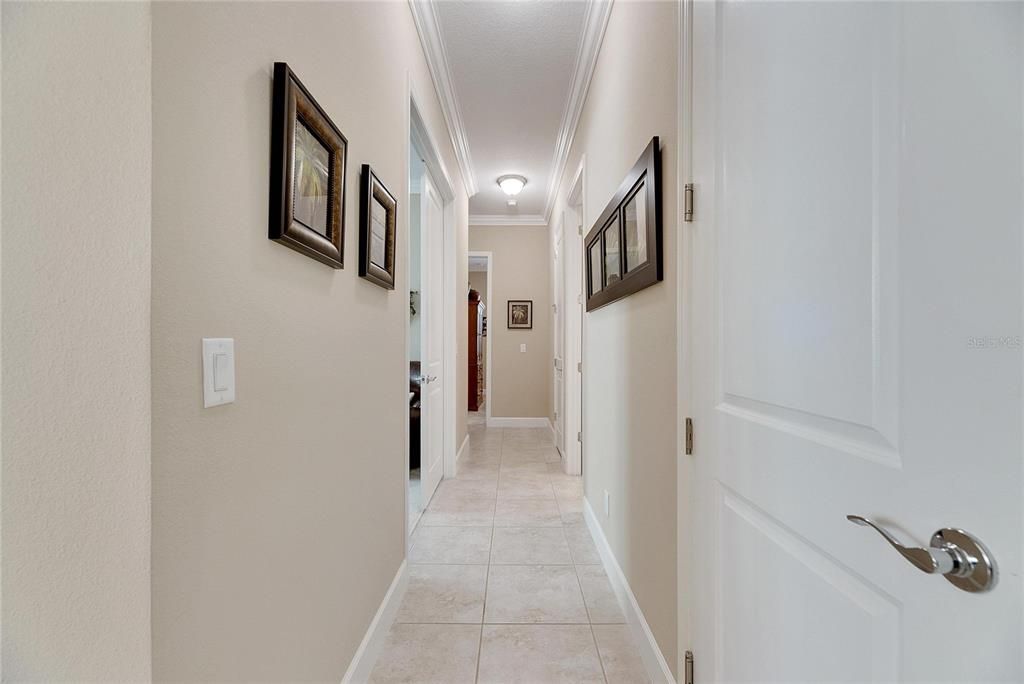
column 490, row 289
column 419, row 134
column 685, row 505
column 572, row 382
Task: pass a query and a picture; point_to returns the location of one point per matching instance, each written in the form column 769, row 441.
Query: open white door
column 856, row 301
column 558, row 283
column 432, row 390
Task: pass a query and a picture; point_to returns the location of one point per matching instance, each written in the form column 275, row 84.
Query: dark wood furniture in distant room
column 477, row 312
column 414, row 415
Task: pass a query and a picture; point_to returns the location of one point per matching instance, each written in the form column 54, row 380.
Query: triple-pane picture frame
column 623, row 250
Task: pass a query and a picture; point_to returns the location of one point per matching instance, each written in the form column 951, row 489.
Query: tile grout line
column 487, row 575
column 549, row 480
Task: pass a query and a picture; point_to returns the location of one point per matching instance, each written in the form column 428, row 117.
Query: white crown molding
column 424, row 15
column 503, row 220
column 595, row 23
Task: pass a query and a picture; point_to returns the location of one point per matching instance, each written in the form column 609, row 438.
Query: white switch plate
column 522, row 348
column 218, row 371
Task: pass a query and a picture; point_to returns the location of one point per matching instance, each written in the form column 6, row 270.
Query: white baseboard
column 497, row 422
column 657, row 667
column 373, row 641
column 463, row 450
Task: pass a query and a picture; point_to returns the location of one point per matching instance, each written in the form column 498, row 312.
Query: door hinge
column 579, row 299
column 579, row 437
column 689, row 436
column 579, row 367
column 579, row 230
column 688, row 668
column 688, row 202
column 554, row 307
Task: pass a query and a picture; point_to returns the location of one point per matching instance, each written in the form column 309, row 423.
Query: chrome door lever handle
column 957, row 555
column 925, row 560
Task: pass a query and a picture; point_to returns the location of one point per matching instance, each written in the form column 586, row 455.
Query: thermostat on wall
column 218, row 371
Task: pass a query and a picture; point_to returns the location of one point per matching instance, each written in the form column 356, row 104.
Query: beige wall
column 629, row 346
column 478, row 282
column 278, row 521
column 520, row 383
column 76, row 346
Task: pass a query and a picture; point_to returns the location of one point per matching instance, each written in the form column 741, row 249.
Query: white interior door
column 558, row 283
column 856, row 333
column 432, row 389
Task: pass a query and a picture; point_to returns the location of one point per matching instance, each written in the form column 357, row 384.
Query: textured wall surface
column 521, row 383
column 75, row 336
column 278, row 521
column 629, row 355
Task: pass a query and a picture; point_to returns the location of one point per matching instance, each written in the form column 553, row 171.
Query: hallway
column 440, row 342
column 506, row 584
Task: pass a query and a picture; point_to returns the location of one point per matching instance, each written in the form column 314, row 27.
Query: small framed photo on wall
column 520, row 314
column 377, row 220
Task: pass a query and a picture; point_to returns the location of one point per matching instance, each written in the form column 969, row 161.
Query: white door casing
column 572, row 376
column 558, row 282
column 854, row 340
column 432, row 369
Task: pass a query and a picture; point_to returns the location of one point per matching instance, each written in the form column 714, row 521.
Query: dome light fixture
column 512, row 184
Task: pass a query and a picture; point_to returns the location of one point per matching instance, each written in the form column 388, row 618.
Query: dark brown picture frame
column 294, row 105
column 517, row 326
column 371, row 189
column 645, row 176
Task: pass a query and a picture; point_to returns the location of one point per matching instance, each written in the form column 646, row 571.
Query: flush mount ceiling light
column 511, row 184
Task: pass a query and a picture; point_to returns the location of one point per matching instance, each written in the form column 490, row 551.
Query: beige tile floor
column 505, row 582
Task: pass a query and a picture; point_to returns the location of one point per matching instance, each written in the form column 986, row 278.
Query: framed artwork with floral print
column 308, row 158
column 520, row 314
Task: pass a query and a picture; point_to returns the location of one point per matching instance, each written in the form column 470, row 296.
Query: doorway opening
column 431, row 325
column 417, row 170
column 479, row 303
column 569, row 366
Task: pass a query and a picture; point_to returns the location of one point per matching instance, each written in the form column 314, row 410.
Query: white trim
column 574, row 260
column 499, row 422
column 490, row 314
column 463, row 450
column 502, row 220
column 595, row 23
column 451, row 266
column 424, row 15
column 655, row 663
column 685, row 474
column 370, row 648
column 419, row 132
column 419, row 135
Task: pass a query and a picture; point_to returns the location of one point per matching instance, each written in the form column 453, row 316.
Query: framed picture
column 520, row 314
column 624, row 248
column 308, row 158
column 377, row 220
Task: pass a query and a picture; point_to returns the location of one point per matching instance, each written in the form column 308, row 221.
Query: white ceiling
column 511, row 65
column 512, row 77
